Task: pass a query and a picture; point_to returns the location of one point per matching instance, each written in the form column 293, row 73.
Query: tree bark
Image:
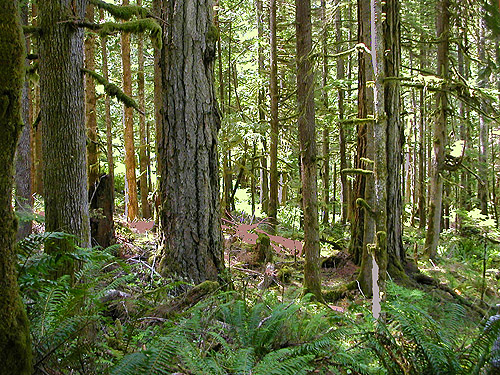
column 482, row 187
column 364, row 149
column 307, row 141
column 131, row 203
column 439, row 136
column 326, row 129
column 143, row 154
column 107, row 119
column 191, row 238
column 23, row 183
column 395, row 134
column 63, row 121
column 345, row 185
column 90, row 104
column 273, row 93
column 15, row 347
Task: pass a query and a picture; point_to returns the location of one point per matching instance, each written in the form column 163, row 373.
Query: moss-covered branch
column 113, row 90
column 122, row 12
column 137, row 26
column 357, row 121
column 356, row 171
column 30, row 29
column 364, row 204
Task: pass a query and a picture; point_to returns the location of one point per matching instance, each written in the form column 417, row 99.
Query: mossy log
column 186, row 300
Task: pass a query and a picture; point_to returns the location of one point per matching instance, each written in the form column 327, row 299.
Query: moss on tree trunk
column 15, row 348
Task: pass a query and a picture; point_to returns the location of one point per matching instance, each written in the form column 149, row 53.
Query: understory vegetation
column 114, row 316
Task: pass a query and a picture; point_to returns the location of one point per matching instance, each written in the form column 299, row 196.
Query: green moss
column 122, row 12
column 285, row 274
column 364, row 204
column 113, row 90
column 137, row 26
column 212, row 34
column 356, row 171
column 339, row 292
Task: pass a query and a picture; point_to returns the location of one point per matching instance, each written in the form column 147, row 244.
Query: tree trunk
column 131, row 204
column 37, row 129
column 439, row 137
column 264, row 187
column 363, row 150
column 23, row 183
column 107, row 119
column 345, row 185
column 90, row 104
column 482, row 187
column 307, row 141
column 422, row 170
column 143, row 154
column 395, row 134
column 63, row 121
column 15, row 348
column 326, row 129
column 273, row 93
column 191, row 238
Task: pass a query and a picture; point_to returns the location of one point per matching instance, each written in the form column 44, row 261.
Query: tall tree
column 482, row 188
column 132, row 205
column 439, row 134
column 191, row 238
column 23, row 183
column 362, row 223
column 15, row 348
column 326, row 129
column 63, row 119
column 394, row 133
column 274, row 122
column 107, row 116
column 342, row 141
column 143, row 145
column 308, row 152
column 90, row 103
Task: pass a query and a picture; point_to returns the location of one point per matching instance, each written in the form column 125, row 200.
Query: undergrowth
column 77, row 328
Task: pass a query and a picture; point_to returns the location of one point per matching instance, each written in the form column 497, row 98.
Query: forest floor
column 465, row 273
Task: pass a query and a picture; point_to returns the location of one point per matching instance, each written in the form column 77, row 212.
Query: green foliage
column 66, row 314
column 224, row 336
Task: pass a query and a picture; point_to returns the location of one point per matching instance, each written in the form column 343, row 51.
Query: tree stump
column 264, row 250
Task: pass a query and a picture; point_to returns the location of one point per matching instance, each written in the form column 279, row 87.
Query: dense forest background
column 249, row 187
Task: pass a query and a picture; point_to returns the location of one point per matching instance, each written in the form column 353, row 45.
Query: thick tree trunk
column 361, row 224
column 273, row 93
column 307, row 141
column 143, row 154
column 23, row 183
column 391, row 34
column 131, row 203
column 90, row 104
column 439, row 138
column 191, row 237
column 15, row 348
column 63, row 121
